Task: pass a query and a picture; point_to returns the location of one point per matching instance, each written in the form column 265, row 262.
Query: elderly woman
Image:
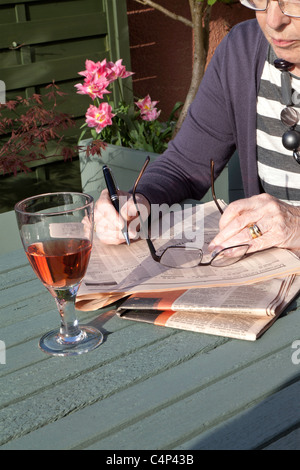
column 247, row 100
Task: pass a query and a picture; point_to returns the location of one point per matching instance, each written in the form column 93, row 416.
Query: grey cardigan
column 221, row 119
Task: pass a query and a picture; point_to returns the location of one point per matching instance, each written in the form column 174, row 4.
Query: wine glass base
column 51, row 343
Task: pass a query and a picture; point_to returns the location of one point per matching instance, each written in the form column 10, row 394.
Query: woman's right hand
column 109, row 224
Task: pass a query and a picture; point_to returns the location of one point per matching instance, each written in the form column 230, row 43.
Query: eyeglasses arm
column 142, row 223
column 212, row 176
column 144, row 230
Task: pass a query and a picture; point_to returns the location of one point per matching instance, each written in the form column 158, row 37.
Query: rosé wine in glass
column 56, row 230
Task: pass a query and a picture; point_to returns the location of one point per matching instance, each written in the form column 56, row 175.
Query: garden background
column 41, row 41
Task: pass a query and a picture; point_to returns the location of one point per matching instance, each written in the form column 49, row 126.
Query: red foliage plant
column 28, row 125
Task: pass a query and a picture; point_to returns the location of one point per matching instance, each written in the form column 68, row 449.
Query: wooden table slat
column 145, row 387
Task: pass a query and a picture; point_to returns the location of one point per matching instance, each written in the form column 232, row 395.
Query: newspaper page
column 245, row 324
column 118, row 271
column 258, row 299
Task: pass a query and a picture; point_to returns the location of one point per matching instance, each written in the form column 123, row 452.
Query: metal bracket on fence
column 2, row 92
column 2, row 353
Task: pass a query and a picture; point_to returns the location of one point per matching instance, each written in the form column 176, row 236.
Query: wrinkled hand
column 279, row 223
column 109, row 224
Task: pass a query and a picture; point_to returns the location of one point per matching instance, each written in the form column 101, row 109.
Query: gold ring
column 254, row 231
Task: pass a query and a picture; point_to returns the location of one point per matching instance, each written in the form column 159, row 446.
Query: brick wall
column 161, row 48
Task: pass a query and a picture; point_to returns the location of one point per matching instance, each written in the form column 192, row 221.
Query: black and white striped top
column 278, row 170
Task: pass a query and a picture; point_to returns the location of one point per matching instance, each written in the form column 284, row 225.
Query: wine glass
column 56, row 230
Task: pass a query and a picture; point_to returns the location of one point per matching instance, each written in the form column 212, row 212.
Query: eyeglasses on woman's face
column 288, row 8
column 181, row 256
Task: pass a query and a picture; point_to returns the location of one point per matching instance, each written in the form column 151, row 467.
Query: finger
column 109, row 234
column 239, row 215
column 278, row 222
column 110, row 238
column 236, row 232
column 261, row 243
column 272, row 234
column 134, row 215
column 240, row 208
column 128, row 210
column 105, row 210
column 108, row 223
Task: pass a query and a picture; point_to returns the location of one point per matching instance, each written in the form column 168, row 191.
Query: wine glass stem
column 69, row 329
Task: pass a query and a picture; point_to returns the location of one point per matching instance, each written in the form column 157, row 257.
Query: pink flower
column 98, row 75
column 96, row 82
column 117, row 70
column 151, row 115
column 99, row 117
column 93, row 86
column 148, row 109
column 98, row 69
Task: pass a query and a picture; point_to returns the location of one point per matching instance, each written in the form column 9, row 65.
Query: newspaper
column 242, row 312
column 115, row 272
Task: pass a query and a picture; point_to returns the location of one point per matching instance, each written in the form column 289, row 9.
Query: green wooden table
column 145, row 387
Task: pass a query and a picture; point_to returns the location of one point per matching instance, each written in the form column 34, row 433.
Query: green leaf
column 127, row 120
column 94, row 134
column 177, row 106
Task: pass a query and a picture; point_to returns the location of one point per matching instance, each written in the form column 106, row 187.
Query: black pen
column 113, row 194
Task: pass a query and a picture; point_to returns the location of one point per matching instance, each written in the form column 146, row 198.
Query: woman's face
column 282, row 32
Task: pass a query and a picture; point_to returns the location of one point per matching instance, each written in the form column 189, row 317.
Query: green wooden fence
column 46, row 40
column 41, row 41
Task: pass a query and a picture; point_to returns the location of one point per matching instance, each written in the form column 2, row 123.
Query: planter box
column 125, row 164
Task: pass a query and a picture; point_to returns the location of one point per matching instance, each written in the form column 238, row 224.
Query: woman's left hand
column 278, row 222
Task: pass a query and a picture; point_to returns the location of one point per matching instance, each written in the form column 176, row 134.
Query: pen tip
column 126, row 236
